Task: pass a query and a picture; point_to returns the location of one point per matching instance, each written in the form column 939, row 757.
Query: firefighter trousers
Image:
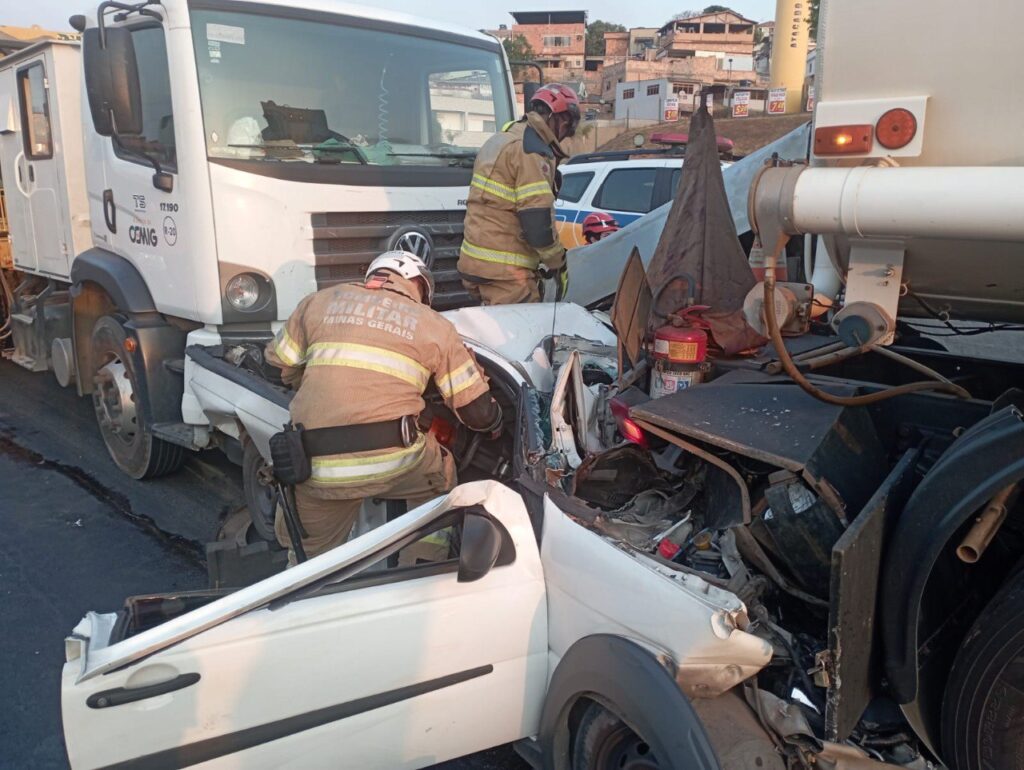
column 328, row 521
column 521, row 285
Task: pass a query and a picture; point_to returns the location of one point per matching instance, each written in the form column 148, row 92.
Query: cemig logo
column 144, row 236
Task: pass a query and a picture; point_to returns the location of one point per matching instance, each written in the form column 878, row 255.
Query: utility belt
column 292, row 450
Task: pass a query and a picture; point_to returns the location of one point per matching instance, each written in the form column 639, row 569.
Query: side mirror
column 530, row 89
column 112, row 81
column 163, row 181
column 481, row 545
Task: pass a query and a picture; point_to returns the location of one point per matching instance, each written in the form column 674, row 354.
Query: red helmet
column 598, row 223
column 559, row 98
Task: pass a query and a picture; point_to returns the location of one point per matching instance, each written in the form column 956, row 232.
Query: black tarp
column 699, row 240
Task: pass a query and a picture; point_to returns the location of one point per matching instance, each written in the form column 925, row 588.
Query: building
column 558, row 39
column 708, row 52
column 15, row 38
column 643, row 99
column 726, row 37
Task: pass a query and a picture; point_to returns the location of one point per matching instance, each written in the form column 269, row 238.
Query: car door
column 327, row 665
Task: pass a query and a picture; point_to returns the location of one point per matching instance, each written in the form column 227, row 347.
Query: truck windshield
column 289, row 90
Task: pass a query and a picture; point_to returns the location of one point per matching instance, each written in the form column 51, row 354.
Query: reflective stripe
column 286, row 349
column 457, row 381
column 368, row 357
column 499, row 257
column 357, row 470
column 511, row 194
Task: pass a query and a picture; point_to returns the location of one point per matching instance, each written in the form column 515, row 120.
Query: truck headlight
column 242, row 292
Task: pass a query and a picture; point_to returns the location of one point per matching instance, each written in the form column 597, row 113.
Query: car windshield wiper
column 453, row 155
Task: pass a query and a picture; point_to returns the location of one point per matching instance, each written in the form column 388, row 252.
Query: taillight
column 842, row 140
column 896, row 128
column 629, row 429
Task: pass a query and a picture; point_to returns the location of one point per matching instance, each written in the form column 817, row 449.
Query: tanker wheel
column 604, row 742
column 982, row 726
column 124, row 424
column 260, row 493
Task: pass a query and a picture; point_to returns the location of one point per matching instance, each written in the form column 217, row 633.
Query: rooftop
column 549, row 17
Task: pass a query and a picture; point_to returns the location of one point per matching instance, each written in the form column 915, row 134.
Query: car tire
column 984, row 698
column 260, row 499
column 124, row 423
column 603, row 741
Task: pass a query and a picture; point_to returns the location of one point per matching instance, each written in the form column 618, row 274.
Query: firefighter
column 361, row 357
column 510, row 213
column 598, row 225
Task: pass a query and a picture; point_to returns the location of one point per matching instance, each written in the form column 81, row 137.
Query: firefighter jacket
column 360, row 356
column 510, row 212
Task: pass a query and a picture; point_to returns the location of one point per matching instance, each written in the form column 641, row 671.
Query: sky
column 476, row 14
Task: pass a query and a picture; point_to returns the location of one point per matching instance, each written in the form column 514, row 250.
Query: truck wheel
column 984, row 699
column 124, row 424
column 605, row 742
column 260, row 498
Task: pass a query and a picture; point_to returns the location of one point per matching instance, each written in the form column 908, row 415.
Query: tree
column 716, row 9
column 685, row 15
column 812, row 19
column 518, row 48
column 595, row 36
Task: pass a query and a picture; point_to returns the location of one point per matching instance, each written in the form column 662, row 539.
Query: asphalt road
column 78, row 535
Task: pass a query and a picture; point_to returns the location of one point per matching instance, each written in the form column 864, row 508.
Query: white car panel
column 595, row 587
column 271, row 679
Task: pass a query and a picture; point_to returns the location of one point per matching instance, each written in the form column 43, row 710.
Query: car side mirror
column 481, row 545
column 112, row 81
column 163, row 181
column 530, row 89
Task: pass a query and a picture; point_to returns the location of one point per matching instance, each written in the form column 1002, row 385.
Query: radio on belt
column 680, row 350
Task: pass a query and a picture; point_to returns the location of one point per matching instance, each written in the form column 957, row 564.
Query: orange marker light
column 896, row 128
column 842, row 140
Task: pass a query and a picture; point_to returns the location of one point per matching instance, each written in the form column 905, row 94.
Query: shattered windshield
column 279, row 89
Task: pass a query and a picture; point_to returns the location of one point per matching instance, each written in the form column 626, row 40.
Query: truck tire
column 123, row 420
column 604, row 742
column 260, row 499
column 984, row 698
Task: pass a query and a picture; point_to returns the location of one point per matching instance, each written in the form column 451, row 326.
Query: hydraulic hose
column 790, row 368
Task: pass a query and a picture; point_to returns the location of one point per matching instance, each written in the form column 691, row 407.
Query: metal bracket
column 875, row 276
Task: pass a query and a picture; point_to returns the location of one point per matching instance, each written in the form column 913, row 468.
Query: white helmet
column 407, row 265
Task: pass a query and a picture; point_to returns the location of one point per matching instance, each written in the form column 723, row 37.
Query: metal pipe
column 718, row 462
column 971, row 203
column 973, row 546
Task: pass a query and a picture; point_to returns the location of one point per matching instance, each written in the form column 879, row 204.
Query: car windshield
column 281, row 89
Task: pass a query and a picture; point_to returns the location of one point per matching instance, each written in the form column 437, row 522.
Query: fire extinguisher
column 680, row 353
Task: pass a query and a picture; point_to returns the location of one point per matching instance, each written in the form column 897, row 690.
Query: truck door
column 401, row 667
column 36, row 184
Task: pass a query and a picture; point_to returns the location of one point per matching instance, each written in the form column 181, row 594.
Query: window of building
column 157, row 137
column 682, row 88
column 557, row 41
column 629, row 93
column 35, row 112
column 714, row 29
column 654, row 90
column 574, row 185
column 627, row 189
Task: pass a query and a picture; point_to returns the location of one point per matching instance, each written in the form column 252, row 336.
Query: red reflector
column 896, row 128
column 842, row 140
column 630, row 431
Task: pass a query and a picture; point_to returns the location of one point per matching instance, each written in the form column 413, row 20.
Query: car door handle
column 109, row 211
column 31, row 173
column 121, row 695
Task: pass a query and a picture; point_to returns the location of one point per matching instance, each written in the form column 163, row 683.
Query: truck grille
column 345, row 242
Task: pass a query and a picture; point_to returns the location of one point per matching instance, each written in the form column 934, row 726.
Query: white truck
column 216, row 163
column 789, row 565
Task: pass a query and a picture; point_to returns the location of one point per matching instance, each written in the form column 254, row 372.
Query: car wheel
column 984, row 698
column 604, row 742
column 124, row 424
column 260, row 495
